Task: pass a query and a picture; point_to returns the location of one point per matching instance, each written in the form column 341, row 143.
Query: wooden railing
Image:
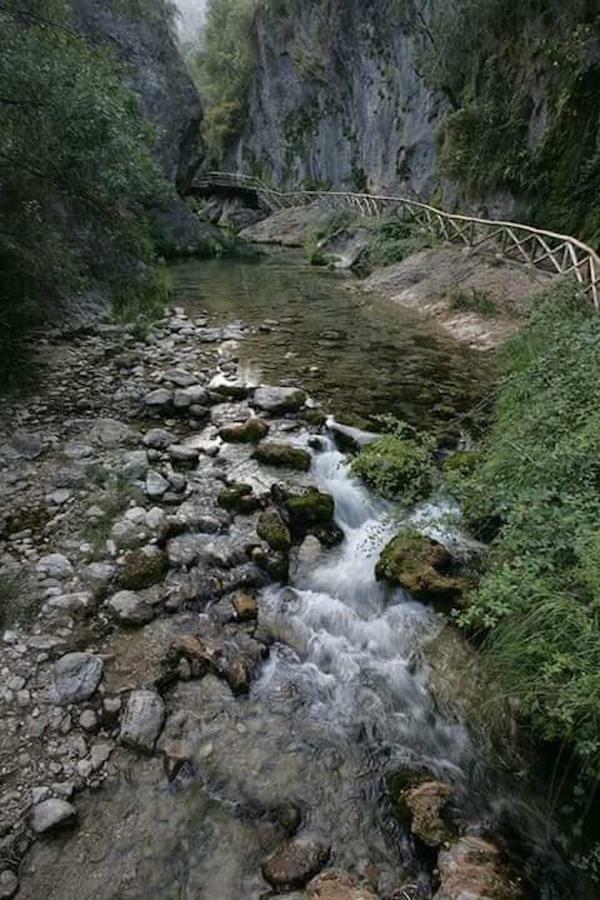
column 555, row 253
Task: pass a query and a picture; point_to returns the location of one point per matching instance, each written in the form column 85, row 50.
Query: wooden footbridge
column 558, row 254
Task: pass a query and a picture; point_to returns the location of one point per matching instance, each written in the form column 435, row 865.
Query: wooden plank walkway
column 545, row 250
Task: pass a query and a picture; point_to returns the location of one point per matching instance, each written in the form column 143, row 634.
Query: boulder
column 183, row 455
column 239, row 498
column 245, row 607
column 158, row 438
column 156, row 485
column 425, row 804
column 295, row 862
column 333, row 885
column 158, row 399
column 272, row 529
column 143, row 568
column 251, row 431
column 75, row 677
column 283, row 456
column 142, row 721
column 421, row 566
column 52, row 815
column 473, row 869
column 307, row 510
column 237, row 662
column 9, row 884
column 130, row 609
column 55, row 565
column 278, row 400
column 111, row 433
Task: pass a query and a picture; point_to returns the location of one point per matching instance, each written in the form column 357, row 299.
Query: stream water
column 344, row 699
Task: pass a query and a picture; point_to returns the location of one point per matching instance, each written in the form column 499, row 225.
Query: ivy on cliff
column 486, row 55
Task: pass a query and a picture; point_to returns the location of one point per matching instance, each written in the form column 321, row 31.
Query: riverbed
column 340, row 697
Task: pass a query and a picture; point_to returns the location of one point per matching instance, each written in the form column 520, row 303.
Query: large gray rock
column 143, row 720
column 279, row 399
column 75, row 677
column 111, row 433
column 55, row 565
column 130, row 609
column 50, row 815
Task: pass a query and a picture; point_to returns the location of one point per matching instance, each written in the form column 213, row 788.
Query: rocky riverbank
column 148, row 498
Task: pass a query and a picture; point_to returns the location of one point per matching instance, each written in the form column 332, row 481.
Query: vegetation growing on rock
column 272, row 529
column 400, row 464
column 283, row 456
column 421, row 566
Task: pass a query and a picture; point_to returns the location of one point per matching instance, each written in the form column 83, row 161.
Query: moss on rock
column 421, row 566
column 143, row 568
column 272, row 529
column 251, row 431
column 283, row 456
column 238, row 498
column 305, row 511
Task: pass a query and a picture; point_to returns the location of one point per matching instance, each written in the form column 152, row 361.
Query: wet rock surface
column 294, row 863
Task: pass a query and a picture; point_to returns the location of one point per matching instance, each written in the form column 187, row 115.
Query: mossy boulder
column 252, row 431
column 283, row 456
column 272, row 529
column 421, row 566
column 238, row 498
column 421, row 805
column 143, row 568
column 309, row 510
column 315, row 417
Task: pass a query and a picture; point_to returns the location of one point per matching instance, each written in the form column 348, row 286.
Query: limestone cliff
column 488, row 106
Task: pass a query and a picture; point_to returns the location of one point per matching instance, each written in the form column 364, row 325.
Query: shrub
column 75, row 166
column 537, row 491
column 399, row 464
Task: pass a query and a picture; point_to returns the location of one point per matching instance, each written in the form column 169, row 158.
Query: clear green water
column 368, row 355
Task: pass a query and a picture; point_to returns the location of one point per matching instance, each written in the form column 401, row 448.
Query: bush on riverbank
column 536, row 490
column 75, row 168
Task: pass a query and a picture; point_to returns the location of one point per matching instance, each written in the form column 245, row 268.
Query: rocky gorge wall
column 144, row 40
column 502, row 118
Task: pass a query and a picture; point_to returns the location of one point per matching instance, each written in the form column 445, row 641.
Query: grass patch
column 536, row 494
column 473, row 301
column 400, row 464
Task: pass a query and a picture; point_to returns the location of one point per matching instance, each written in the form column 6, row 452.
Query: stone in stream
column 156, row 485
column 158, row 438
column 295, row 862
column 52, row 815
column 9, row 884
column 473, row 868
column 143, row 568
column 143, row 720
column 55, row 565
column 238, row 498
column 75, row 677
column 425, row 805
column 335, row 885
column 251, row 431
column 130, row 609
column 272, row 529
column 245, row 607
column 283, row 456
column 279, row 399
column 183, row 455
column 158, row 399
column 111, row 433
column 421, row 566
column 307, row 510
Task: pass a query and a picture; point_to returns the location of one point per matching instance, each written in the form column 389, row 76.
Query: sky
column 192, row 17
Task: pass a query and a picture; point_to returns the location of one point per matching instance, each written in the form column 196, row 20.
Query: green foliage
column 392, row 241
column 399, row 464
column 222, row 67
column 75, row 167
column 473, row 301
column 479, row 53
column 537, row 491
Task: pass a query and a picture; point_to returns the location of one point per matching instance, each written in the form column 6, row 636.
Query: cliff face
column 337, row 99
column 168, row 99
column 342, row 96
